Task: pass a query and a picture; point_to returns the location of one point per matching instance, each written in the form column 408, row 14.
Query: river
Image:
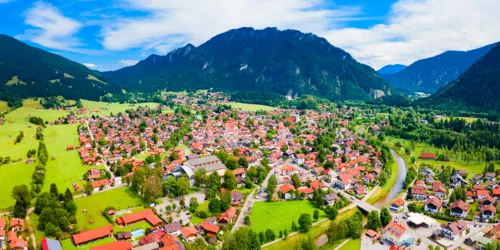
column 398, row 186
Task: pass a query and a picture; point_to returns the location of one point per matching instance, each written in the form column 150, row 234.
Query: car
column 381, row 242
column 405, row 217
column 190, row 217
column 352, row 198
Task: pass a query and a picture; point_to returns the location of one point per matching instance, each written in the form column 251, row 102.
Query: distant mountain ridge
column 268, row 60
column 26, row 71
column 391, row 69
column 430, row 74
column 477, row 89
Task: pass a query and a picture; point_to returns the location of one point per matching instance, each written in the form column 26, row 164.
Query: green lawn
column 67, row 166
column 279, row 215
column 12, row 175
column 316, row 231
column 141, row 224
column 250, row 107
column 8, row 134
column 22, row 114
column 120, row 198
column 67, row 244
column 203, row 207
column 383, row 190
column 352, row 244
column 106, row 108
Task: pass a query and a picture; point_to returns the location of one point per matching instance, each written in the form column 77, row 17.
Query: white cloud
column 171, row 23
column 128, row 62
column 418, row 29
column 90, row 65
column 51, row 28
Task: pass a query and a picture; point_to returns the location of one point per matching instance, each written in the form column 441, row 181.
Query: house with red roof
column 316, row 184
column 3, row 223
column 397, row 234
column 228, row 216
column 428, row 156
column 344, row 181
column 92, row 235
column 488, row 212
column 147, row 215
column 285, row 188
column 169, row 242
column 459, row 209
column 16, row 224
column 418, row 192
column 209, row 229
column 433, row 205
column 397, row 204
column 189, row 234
column 368, row 178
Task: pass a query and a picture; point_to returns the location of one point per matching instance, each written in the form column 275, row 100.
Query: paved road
column 103, row 159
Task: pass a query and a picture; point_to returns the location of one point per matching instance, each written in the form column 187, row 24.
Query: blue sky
column 110, row 34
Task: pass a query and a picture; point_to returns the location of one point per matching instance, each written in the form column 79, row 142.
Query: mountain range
column 430, row 74
column 476, row 90
column 26, row 71
column 268, row 60
column 391, row 69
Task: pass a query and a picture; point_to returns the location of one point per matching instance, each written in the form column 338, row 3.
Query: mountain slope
column 477, row 89
column 27, row 71
column 391, row 69
column 428, row 75
column 284, row 62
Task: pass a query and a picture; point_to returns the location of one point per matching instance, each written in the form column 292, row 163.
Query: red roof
column 147, row 215
column 16, row 222
column 399, row 202
column 286, row 188
column 169, row 243
column 210, row 227
column 305, row 190
column 188, row 231
column 118, row 245
column 92, row 235
column 427, row 156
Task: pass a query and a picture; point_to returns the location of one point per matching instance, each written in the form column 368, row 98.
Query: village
column 202, row 172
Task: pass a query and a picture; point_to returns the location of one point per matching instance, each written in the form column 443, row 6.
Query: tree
column 88, row 188
column 247, row 220
column 294, row 226
column 374, row 220
column 50, row 229
column 229, row 180
column 385, row 217
column 296, row 180
column 22, row 196
column 214, row 205
column 305, row 222
column 193, row 204
column 231, row 162
column 184, row 185
column 328, row 164
column 243, row 162
column 200, row 177
column 213, row 181
column 316, row 214
column 153, row 188
column 331, row 212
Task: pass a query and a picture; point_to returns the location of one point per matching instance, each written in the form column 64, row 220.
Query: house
column 285, row 189
column 124, row 236
column 344, row 181
column 50, row 244
column 429, row 179
column 2, row 237
column 95, row 173
column 228, row 216
column 330, row 199
column 307, row 191
column 29, row 161
column 209, row 229
column 16, row 224
column 397, row 204
column 189, row 234
column 117, row 245
column 488, row 212
column 173, row 228
column 459, row 209
column 433, row 205
column 368, row 178
column 360, row 190
column 16, row 243
column 439, row 189
column 169, row 242
column 316, row 184
column 3, row 223
column 428, row 156
column 477, row 179
column 457, row 180
column 454, row 229
column 491, row 176
column 418, row 192
column 147, row 215
column 481, row 194
column 92, row 235
column 299, row 159
column 487, row 201
column 397, row 234
column 236, row 197
column 420, row 183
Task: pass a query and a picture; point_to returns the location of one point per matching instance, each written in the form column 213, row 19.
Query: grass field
column 317, row 230
column 352, row 244
column 120, row 198
column 8, row 134
column 250, row 107
column 279, row 215
column 472, row 167
column 67, row 244
column 106, row 108
column 383, row 190
column 13, row 175
column 22, row 114
column 3, row 106
column 197, row 220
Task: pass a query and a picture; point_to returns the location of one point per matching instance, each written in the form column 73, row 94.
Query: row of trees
column 38, row 177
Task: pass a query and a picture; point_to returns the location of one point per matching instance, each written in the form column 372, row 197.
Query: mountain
column 428, row 75
column 269, row 60
column 391, row 69
column 477, row 89
column 26, row 71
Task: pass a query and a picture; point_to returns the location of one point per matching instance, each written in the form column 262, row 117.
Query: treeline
column 38, row 177
column 264, row 98
column 37, row 120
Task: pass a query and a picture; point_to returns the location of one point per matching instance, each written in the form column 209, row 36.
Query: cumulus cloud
column 418, row 29
column 170, row 23
column 90, row 65
column 128, row 62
